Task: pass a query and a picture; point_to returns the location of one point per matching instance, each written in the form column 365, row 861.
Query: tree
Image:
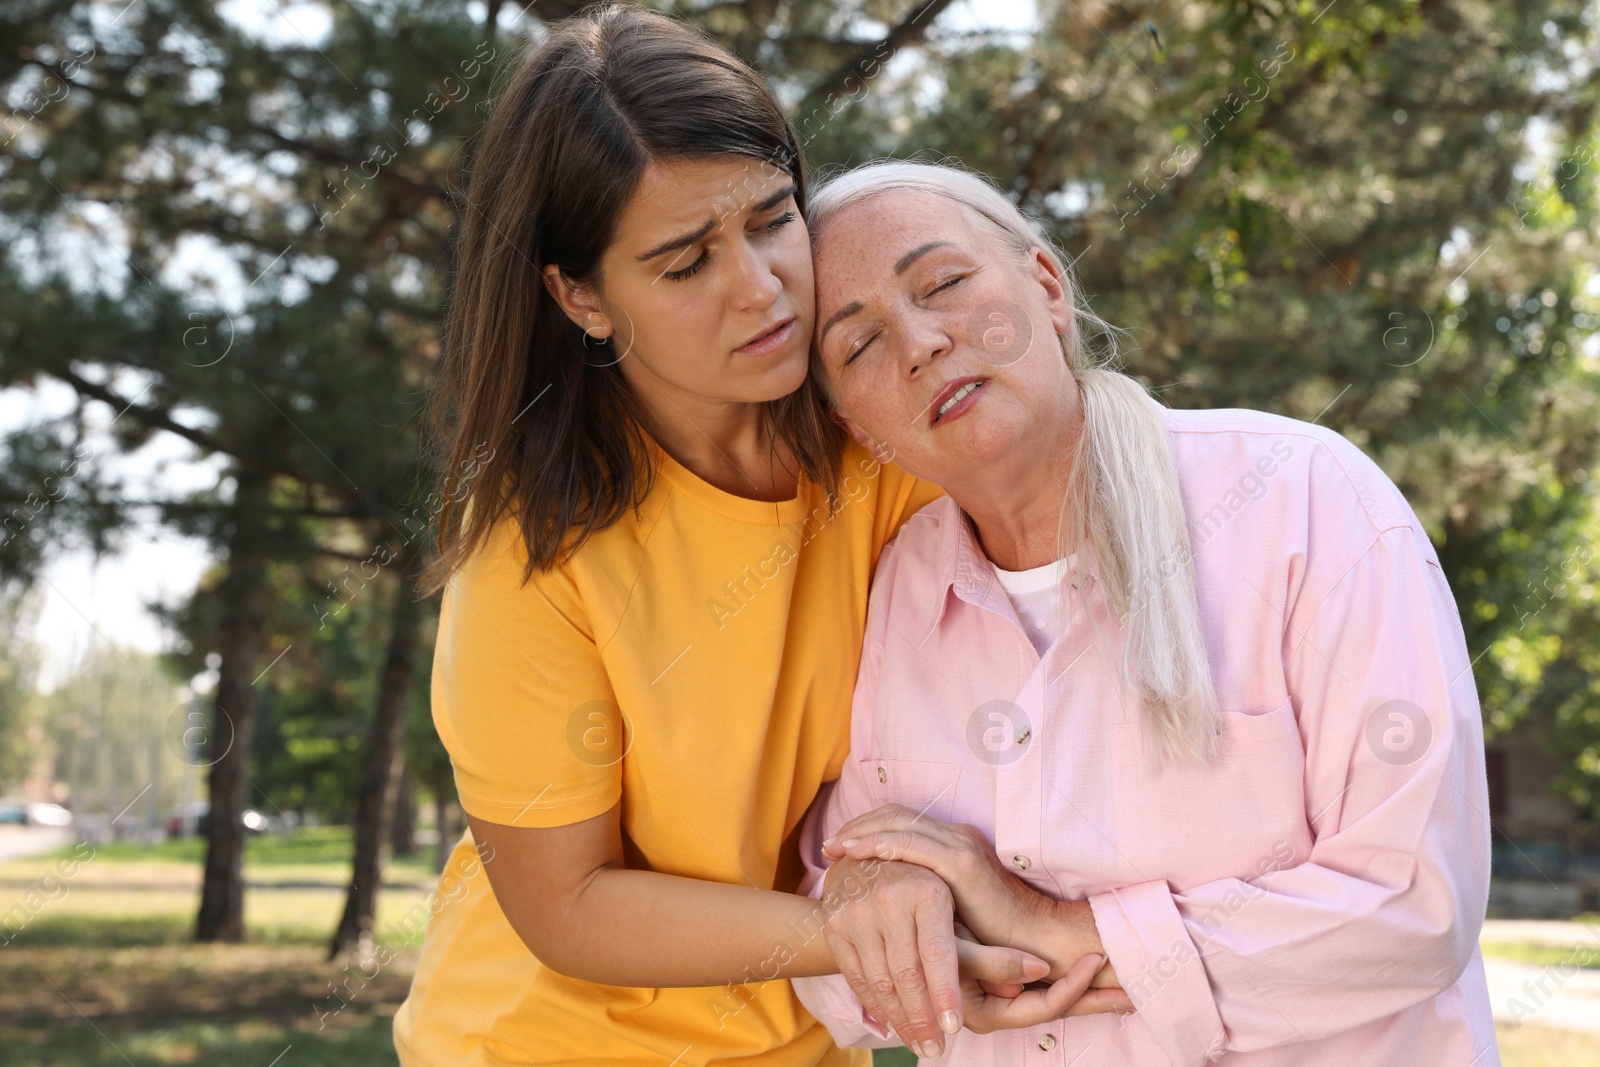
column 179, row 125
column 383, row 766
column 332, row 196
column 1381, row 217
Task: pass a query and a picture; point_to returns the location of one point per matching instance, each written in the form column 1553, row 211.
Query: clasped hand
column 924, row 972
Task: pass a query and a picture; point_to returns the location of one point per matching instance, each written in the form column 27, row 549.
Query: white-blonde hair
column 1122, row 493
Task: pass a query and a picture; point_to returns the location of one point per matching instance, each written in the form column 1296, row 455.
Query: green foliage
column 1382, row 217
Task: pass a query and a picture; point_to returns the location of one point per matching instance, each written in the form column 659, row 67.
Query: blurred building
column 1546, row 863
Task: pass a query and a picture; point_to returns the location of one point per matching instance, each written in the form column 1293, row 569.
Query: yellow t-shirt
column 728, row 632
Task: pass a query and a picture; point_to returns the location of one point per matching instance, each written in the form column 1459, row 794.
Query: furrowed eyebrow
column 843, row 313
column 677, row 242
column 775, row 199
column 690, row 238
column 915, row 254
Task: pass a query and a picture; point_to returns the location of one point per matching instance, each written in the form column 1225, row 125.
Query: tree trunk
column 444, row 815
column 234, row 711
column 380, row 782
column 403, row 835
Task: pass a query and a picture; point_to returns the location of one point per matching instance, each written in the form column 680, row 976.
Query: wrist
column 1069, row 933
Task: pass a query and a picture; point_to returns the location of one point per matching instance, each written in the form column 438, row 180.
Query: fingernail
column 1099, row 960
column 826, row 841
column 1034, row 968
column 849, row 843
column 931, row 1051
column 949, row 1022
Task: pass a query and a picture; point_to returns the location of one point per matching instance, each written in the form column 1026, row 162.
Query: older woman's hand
column 895, row 943
column 994, row 903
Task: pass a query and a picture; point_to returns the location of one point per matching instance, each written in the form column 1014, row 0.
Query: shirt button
column 1021, row 862
column 1047, row 1042
column 1022, row 738
column 883, row 775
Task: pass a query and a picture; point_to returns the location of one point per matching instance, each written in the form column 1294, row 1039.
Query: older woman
column 1186, row 690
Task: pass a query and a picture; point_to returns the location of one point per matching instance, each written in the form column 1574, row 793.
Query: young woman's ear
column 1053, row 280
column 578, row 302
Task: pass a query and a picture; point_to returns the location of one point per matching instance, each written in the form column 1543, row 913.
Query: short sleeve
column 521, row 699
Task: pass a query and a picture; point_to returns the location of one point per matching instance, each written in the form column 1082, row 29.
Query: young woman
column 1186, row 690
column 654, row 583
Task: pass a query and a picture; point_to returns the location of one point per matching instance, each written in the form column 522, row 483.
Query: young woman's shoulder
column 495, row 583
column 895, row 495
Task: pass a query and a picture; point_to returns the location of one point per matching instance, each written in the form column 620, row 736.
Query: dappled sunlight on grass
column 104, row 974
column 253, row 1042
column 112, row 943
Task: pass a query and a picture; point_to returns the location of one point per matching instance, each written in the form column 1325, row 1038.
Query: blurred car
column 187, row 819
column 18, row 813
column 41, row 814
column 195, row 818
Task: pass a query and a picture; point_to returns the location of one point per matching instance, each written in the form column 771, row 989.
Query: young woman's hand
column 998, row 907
column 894, row 941
column 991, row 1006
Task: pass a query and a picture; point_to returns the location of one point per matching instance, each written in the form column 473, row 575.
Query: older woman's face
column 935, row 338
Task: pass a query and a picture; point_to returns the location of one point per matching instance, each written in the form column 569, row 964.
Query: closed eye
column 692, row 269
column 860, row 348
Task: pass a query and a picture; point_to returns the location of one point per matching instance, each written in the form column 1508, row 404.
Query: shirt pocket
column 1239, row 815
column 924, row 786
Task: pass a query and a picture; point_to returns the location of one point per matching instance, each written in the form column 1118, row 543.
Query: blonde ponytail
column 1122, row 500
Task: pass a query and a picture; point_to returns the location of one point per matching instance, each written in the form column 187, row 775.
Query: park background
column 226, row 238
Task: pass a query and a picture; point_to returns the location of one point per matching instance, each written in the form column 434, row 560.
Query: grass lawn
column 102, row 974
column 1543, row 955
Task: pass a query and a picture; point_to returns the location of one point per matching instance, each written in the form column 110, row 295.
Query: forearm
column 643, row 928
column 1066, row 933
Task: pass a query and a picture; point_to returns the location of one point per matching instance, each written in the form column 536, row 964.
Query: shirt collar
column 962, row 567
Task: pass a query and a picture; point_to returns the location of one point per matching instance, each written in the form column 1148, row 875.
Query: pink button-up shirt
column 1311, row 897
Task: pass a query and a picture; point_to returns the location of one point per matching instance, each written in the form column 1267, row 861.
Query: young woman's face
column 707, row 286
column 935, row 338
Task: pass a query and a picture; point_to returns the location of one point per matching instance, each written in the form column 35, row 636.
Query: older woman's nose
column 925, row 339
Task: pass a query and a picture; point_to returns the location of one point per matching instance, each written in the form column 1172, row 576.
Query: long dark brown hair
column 529, row 421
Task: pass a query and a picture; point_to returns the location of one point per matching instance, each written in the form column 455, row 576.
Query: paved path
column 1544, row 995
column 20, row 842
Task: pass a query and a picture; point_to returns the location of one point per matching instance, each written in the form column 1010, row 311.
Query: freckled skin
column 926, row 326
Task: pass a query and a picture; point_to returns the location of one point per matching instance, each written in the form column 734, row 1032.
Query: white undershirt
column 1035, row 594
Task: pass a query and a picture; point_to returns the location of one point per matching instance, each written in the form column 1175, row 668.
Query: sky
column 82, row 600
